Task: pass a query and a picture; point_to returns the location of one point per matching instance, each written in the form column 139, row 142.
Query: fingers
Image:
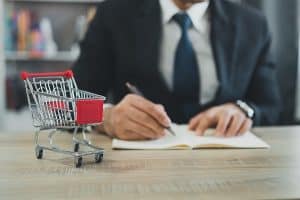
column 130, row 122
column 132, row 126
column 228, row 118
column 246, row 126
column 201, row 123
column 131, row 135
column 128, row 129
column 223, row 122
column 154, row 110
column 194, row 122
column 146, row 120
column 237, row 121
column 238, row 124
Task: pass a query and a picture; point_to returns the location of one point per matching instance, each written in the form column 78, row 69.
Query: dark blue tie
column 186, row 75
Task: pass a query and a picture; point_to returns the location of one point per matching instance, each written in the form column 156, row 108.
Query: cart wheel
column 98, row 157
column 38, row 152
column 76, row 147
column 78, row 161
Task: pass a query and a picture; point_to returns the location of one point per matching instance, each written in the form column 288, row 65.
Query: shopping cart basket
column 57, row 104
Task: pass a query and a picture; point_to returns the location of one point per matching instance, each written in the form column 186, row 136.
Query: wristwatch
column 245, row 108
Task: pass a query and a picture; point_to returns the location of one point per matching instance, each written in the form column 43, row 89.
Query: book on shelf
column 28, row 33
column 23, row 32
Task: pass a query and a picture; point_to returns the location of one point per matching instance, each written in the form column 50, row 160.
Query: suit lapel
column 147, row 40
column 223, row 45
column 148, row 32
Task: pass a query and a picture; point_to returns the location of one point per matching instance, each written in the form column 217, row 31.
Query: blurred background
column 43, row 35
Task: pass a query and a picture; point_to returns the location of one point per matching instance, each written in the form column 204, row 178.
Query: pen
column 133, row 89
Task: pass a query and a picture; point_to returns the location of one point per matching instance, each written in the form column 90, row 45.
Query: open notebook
column 186, row 139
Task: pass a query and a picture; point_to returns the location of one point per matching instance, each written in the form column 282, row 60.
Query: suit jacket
column 123, row 44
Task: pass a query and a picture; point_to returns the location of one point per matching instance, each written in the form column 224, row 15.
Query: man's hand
column 228, row 119
column 136, row 118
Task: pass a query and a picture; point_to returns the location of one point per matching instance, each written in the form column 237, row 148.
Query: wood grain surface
column 169, row 174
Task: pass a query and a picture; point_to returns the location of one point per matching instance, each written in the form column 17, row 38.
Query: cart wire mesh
column 56, row 103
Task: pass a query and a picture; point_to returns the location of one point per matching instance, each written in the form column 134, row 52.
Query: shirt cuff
column 107, row 105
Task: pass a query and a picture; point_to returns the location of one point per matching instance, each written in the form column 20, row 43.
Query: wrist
column 106, row 126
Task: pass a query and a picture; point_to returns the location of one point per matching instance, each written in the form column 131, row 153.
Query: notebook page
column 186, row 139
column 248, row 140
column 167, row 142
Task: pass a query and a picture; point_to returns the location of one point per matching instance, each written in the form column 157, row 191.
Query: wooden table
column 172, row 174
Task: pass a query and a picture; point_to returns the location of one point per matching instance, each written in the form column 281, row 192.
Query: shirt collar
column 196, row 12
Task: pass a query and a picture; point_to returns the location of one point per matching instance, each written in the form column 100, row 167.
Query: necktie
column 186, row 75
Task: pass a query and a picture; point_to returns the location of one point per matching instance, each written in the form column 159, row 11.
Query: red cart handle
column 67, row 74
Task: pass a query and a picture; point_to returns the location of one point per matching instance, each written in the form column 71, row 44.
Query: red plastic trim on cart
column 89, row 111
column 67, row 74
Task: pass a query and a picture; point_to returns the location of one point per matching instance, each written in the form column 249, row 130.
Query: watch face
column 246, row 108
column 251, row 113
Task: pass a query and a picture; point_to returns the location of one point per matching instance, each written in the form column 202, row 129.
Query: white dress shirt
column 199, row 35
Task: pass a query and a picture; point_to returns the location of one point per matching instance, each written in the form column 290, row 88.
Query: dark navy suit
column 123, row 44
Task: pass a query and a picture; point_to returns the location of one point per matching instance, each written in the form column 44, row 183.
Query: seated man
column 201, row 62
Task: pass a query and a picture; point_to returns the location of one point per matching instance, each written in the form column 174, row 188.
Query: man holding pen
column 201, row 62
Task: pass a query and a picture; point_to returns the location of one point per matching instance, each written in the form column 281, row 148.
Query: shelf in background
column 57, row 1
column 62, row 56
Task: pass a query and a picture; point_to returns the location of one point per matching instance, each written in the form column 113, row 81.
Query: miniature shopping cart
column 57, row 104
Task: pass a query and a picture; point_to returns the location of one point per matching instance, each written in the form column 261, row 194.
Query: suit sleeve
column 94, row 68
column 263, row 94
